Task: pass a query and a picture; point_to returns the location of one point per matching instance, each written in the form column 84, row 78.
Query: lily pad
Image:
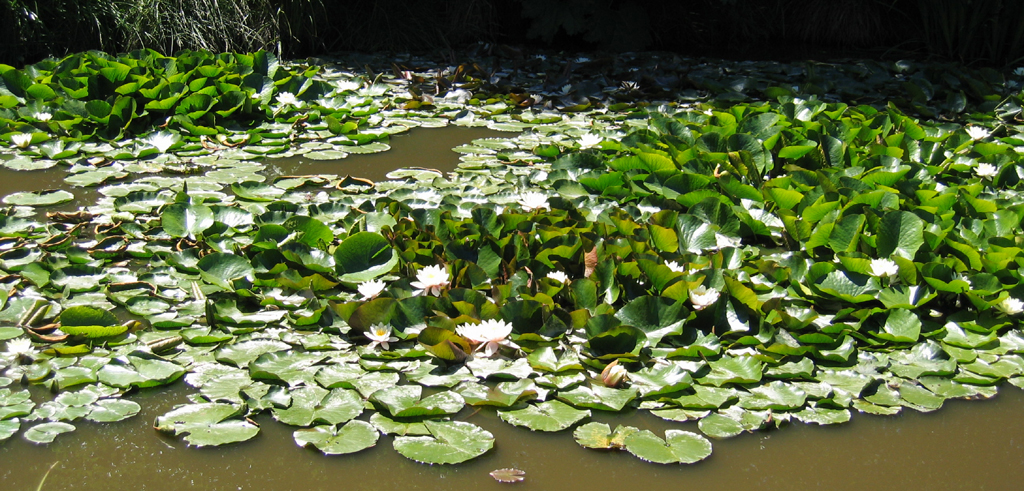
column 545, row 416
column 404, row 401
column 350, row 438
column 39, row 198
column 47, row 432
column 207, row 424
column 681, row 447
column 450, row 442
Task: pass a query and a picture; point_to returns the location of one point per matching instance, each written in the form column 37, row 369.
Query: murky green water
column 964, row 445
column 420, row 147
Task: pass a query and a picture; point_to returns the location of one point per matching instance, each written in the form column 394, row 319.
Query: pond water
column 966, row 444
column 420, row 147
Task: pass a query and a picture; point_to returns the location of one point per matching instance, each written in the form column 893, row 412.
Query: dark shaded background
column 976, row 32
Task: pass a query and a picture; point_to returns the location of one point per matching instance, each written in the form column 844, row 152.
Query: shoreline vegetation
column 974, row 32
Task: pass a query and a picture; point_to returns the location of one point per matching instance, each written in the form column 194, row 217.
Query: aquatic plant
column 740, row 263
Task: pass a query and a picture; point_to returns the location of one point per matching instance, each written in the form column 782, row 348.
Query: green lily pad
column 186, row 219
column 39, row 198
column 717, row 426
column 207, row 424
column 9, row 427
column 730, row 369
column 681, row 447
column 450, row 442
column 222, row 269
column 350, row 438
column 90, row 322
column 364, row 256
column 545, row 416
column 47, row 432
column 599, row 397
column 110, row 410
column 600, row 435
column 389, row 426
column 404, row 401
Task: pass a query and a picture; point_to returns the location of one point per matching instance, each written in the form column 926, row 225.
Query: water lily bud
column 613, row 374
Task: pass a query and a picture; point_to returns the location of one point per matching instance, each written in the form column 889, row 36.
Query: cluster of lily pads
column 735, row 246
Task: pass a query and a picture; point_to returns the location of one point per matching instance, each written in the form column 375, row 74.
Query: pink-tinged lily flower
column 488, row 335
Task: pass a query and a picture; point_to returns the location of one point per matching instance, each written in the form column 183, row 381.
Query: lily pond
column 604, row 262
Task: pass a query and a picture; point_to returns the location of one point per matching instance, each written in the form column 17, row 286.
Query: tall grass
column 33, row 29
column 974, row 31
column 214, row 25
column 984, row 31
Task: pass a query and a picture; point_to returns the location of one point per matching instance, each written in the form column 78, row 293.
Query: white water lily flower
column 22, row 140
column 489, row 334
column 884, row 267
column 986, row 171
column 590, row 140
column 460, row 96
column 558, row 276
column 20, row 347
column 1010, row 306
column 430, row 281
column 702, row 296
column 533, row 201
column 380, row 334
column 1019, row 71
column 370, row 289
column 287, row 99
column 346, row 85
column 675, row 267
column 977, row 132
column 162, row 140
column 43, row 116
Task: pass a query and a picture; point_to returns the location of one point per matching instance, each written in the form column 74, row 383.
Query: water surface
column 964, row 445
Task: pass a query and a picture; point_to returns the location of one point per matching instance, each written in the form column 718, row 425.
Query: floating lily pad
column 545, row 416
column 404, row 401
column 207, row 424
column 39, row 198
column 350, row 438
column 450, row 442
column 681, row 447
column 47, row 432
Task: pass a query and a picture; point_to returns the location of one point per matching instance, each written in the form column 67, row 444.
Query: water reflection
column 965, row 445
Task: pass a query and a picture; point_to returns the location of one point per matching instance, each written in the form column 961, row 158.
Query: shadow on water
column 965, row 445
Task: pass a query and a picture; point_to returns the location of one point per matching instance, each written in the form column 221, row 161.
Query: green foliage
column 738, row 263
